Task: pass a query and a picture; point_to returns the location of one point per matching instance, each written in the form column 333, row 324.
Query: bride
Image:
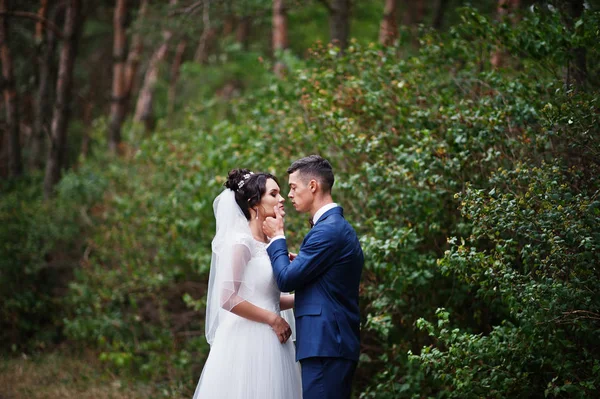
column 251, row 355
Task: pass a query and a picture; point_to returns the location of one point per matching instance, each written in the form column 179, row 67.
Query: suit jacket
column 325, row 277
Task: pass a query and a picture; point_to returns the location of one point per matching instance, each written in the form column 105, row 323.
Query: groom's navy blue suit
column 325, row 277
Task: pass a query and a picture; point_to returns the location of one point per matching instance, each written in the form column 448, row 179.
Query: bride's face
column 271, row 198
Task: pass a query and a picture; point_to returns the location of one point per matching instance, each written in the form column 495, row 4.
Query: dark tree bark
column 39, row 26
column 11, row 104
column 414, row 13
column 242, row 33
column 440, row 11
column 117, row 108
column 133, row 59
column 420, row 8
column 88, row 117
column 30, row 15
column 206, row 46
column 144, row 107
column 4, row 156
column 207, row 37
column 505, row 7
column 339, row 23
column 577, row 68
column 280, row 34
column 388, row 32
column 229, row 25
column 45, row 46
column 64, row 83
column 96, row 84
column 175, row 69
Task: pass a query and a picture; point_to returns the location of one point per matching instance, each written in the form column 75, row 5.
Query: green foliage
column 310, row 23
column 474, row 191
column 229, row 75
column 405, row 136
column 533, row 251
column 127, row 299
column 39, row 248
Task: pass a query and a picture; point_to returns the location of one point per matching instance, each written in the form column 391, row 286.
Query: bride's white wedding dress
column 246, row 359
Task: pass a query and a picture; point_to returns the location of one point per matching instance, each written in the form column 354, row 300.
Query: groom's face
column 300, row 193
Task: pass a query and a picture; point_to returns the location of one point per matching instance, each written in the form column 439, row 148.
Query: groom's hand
column 273, row 226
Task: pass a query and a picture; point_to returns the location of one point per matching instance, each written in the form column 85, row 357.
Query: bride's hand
column 281, row 327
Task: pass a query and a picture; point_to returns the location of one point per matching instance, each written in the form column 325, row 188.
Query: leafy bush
column 40, row 247
column 533, row 252
column 474, row 191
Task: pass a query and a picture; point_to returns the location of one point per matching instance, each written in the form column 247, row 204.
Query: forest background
column 465, row 137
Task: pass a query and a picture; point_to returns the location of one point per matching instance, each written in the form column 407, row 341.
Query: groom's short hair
column 315, row 167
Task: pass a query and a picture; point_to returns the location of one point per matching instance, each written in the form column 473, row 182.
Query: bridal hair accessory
column 242, row 182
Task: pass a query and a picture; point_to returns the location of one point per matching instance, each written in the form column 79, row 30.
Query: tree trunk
column 64, row 83
column 39, row 26
column 438, row 16
column 205, row 45
column 117, row 107
column 388, row 32
column 96, row 84
column 228, row 25
column 577, row 68
column 133, row 59
column 339, row 23
column 88, row 115
column 207, row 37
column 143, row 109
column 280, row 34
column 505, row 7
column 242, row 33
column 45, row 45
column 15, row 164
column 175, row 68
column 419, row 11
column 414, row 13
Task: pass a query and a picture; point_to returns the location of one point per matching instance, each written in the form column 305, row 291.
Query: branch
column 23, row 14
column 327, row 5
column 565, row 318
column 586, row 314
column 189, row 9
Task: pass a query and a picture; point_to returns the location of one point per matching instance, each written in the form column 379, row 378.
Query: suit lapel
column 333, row 211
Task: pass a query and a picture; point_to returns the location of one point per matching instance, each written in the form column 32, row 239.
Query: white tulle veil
column 227, row 286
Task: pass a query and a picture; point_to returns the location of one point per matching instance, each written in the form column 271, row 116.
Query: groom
column 325, row 276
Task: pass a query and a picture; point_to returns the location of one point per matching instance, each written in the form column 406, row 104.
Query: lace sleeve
column 228, row 286
column 233, row 288
column 231, row 252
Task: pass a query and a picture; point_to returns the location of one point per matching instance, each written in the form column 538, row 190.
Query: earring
column 257, row 214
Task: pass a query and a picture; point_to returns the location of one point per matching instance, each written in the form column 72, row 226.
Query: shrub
column 474, row 192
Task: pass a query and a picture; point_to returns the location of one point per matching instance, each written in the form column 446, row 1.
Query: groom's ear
column 313, row 185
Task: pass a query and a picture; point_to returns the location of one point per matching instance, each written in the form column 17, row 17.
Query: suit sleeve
column 316, row 257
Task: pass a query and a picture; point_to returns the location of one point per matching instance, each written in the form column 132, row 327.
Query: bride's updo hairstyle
column 249, row 188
